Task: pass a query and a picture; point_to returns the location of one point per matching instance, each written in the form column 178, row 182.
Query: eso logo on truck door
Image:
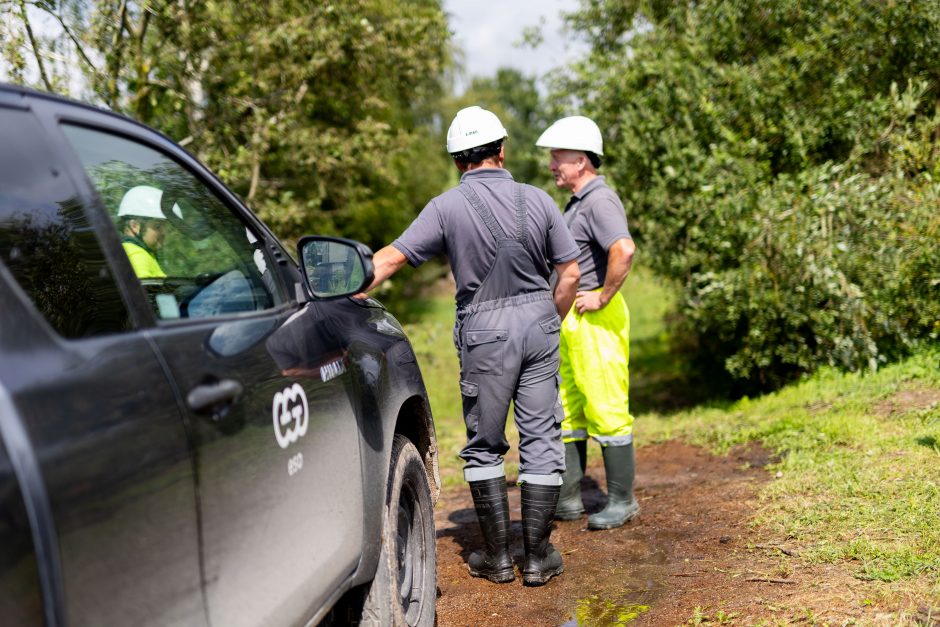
column 291, row 415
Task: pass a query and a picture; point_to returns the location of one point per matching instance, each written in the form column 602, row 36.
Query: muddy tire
column 404, row 591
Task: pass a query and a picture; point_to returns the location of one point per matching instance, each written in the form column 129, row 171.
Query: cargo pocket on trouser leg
column 559, row 409
column 484, row 349
column 552, row 324
column 548, row 331
column 470, row 392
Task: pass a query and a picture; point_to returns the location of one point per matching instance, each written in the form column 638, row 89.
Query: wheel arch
column 415, row 422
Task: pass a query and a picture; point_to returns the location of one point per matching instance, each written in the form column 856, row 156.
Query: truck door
column 92, row 403
column 277, row 448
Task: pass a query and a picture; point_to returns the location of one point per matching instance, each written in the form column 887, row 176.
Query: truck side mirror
column 334, row 267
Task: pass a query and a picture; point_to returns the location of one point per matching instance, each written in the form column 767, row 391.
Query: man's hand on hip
column 588, row 301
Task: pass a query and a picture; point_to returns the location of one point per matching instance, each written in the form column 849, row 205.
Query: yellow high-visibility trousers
column 595, row 375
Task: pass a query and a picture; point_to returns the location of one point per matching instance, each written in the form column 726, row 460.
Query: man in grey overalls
column 502, row 239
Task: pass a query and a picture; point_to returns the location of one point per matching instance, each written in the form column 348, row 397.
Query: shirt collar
column 590, row 186
column 136, row 241
column 486, row 173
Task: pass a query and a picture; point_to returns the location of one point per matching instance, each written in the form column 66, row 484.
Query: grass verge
column 858, row 476
column 431, row 335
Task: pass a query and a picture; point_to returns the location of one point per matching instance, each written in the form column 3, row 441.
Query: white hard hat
column 143, row 201
column 473, row 127
column 573, row 133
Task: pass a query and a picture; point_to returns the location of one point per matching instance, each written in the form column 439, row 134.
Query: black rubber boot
column 492, row 506
column 620, row 466
column 542, row 560
column 570, row 506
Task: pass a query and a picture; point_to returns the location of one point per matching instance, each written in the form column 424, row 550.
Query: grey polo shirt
column 597, row 219
column 448, row 225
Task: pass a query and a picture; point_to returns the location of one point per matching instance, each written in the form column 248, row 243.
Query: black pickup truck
column 195, row 428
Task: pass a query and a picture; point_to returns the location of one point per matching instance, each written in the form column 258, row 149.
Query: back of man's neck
column 486, row 163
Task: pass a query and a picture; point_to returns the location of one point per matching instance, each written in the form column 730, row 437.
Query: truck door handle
column 214, row 398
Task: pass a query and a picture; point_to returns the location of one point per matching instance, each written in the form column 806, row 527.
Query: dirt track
column 691, row 553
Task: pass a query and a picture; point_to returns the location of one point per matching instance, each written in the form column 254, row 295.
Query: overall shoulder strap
column 483, row 211
column 522, row 228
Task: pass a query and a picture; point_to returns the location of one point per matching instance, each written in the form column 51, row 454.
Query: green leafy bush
column 779, row 159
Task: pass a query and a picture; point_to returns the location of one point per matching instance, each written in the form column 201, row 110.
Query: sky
column 489, row 31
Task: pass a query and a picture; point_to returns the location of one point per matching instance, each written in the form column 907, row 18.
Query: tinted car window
column 46, row 239
column 194, row 257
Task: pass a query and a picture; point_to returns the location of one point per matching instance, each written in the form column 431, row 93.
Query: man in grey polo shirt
column 595, row 339
column 502, row 239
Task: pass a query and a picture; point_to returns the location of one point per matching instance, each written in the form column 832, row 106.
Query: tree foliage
column 316, row 113
column 779, row 158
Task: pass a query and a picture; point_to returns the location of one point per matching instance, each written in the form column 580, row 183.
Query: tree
column 317, row 114
column 778, row 159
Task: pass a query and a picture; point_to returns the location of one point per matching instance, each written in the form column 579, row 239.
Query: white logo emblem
column 290, row 406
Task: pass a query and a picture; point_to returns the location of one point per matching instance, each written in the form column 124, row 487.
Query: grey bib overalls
column 507, row 339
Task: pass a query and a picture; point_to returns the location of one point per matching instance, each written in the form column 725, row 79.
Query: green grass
column 859, row 464
column 655, row 373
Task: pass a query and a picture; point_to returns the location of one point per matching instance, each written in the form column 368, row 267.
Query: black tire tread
column 382, row 606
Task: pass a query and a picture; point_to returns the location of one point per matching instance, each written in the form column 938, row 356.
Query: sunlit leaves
column 779, row 158
column 317, row 114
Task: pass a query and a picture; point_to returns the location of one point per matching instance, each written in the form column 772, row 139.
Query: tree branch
column 35, row 46
column 115, row 64
column 255, row 176
column 770, row 580
column 68, row 31
column 142, row 31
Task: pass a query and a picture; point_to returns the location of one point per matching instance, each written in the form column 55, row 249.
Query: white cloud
column 489, row 33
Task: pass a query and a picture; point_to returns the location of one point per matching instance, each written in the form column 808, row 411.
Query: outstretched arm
column 568, row 276
column 387, row 262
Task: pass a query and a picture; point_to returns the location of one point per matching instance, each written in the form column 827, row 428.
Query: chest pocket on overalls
column 485, row 348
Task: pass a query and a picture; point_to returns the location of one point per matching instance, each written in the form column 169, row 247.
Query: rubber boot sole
column 632, row 513
column 540, row 579
column 500, row 576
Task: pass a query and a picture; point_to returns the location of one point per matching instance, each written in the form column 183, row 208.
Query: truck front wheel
column 404, row 591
